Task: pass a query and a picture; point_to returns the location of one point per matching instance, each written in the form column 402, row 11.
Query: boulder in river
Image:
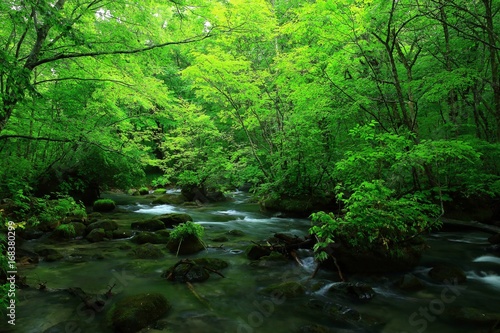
column 472, row 315
column 159, row 237
column 170, row 199
column 96, row 235
column 173, row 219
column 148, row 225
column 187, row 245
column 147, row 251
column 107, row 225
column 357, row 291
column 104, row 205
column 410, row 282
column 447, row 274
column 494, row 239
column 134, row 313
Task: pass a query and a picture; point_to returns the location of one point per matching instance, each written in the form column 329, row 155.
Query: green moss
column 104, row 205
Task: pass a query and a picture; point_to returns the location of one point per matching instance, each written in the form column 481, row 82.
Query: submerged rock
column 494, row 239
column 160, row 237
column 286, row 289
column 120, row 234
column 357, row 291
column 134, row 313
column 255, row 252
column 471, row 315
column 447, row 274
column 148, row 225
column 410, row 282
column 335, row 312
column 48, row 253
column 147, row 251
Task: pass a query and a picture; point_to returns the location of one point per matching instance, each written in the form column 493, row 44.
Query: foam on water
column 489, row 278
column 158, row 210
column 488, row 258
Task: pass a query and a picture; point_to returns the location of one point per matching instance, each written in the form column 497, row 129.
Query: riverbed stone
column 335, row 312
column 255, row 252
column 287, row 289
column 446, row 273
column 80, row 229
column 96, row 235
column 187, row 245
column 410, row 282
column 121, row 234
column 159, row 237
column 358, row 291
column 147, row 251
column 172, row 219
column 220, row 239
column 148, row 225
column 134, row 313
column 236, row 232
column 106, row 225
column 472, row 315
column 315, row 328
column 212, row 263
column 170, row 199
column 191, row 272
column 48, row 253
column 494, row 239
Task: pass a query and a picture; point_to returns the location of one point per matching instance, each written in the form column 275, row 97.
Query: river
column 236, row 303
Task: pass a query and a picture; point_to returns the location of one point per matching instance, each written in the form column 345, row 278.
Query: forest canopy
column 323, row 100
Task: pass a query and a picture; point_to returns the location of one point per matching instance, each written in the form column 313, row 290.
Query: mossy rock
column 173, row 219
column 236, row 232
column 220, row 239
column 147, row 251
column 447, row 274
column 143, row 191
column 160, row 191
column 315, row 328
column 121, row 234
column 104, row 205
column 212, row 263
column 96, row 235
column 255, row 252
column 63, row 232
column 107, row 225
column 148, row 225
column 335, row 312
column 287, row 289
column 186, row 273
column 151, row 237
column 134, row 313
column 187, row 245
column 80, row 229
column 170, row 199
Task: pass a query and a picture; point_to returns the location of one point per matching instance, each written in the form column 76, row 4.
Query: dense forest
column 376, row 116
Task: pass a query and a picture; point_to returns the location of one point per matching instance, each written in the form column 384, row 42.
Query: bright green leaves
column 374, row 218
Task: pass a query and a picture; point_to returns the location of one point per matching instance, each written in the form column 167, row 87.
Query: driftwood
column 198, row 296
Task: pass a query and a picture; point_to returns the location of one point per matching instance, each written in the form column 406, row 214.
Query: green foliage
column 45, row 211
column 104, row 205
column 187, row 229
column 67, row 229
column 374, row 218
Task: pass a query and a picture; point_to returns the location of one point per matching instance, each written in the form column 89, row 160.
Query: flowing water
column 236, row 303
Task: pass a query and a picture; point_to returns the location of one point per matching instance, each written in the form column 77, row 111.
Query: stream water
column 236, row 301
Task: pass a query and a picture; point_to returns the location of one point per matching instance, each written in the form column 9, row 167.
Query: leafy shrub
column 375, row 218
column 67, row 229
column 184, row 230
column 104, row 205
